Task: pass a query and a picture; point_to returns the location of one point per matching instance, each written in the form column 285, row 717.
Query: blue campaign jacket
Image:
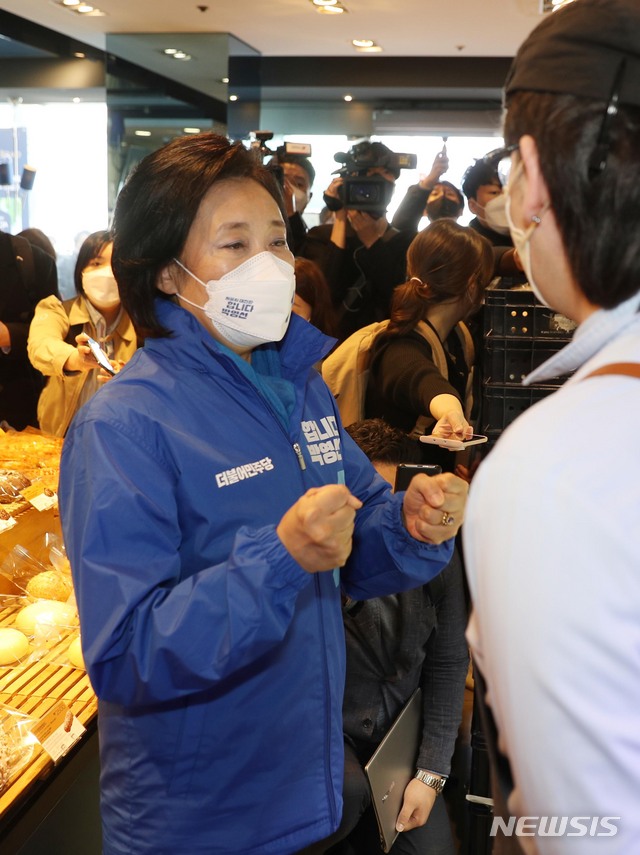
column 217, row 660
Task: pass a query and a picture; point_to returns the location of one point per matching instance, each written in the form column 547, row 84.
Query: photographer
column 361, row 255
column 296, row 175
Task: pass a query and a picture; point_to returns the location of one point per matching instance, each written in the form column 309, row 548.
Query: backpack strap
column 630, row 369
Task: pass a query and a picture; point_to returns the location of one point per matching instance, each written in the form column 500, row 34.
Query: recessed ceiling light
column 79, row 55
column 348, row 97
column 371, row 49
column 331, row 10
column 224, row 80
column 185, row 57
column 325, row 2
column 70, row 2
column 76, row 100
column 362, row 43
column 233, row 97
column 170, row 51
column 142, row 133
column 84, row 8
column 191, row 130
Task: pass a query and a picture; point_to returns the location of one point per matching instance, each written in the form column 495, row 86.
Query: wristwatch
column 434, row 781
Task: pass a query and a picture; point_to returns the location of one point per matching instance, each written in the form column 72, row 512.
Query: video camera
column 258, row 145
column 362, row 192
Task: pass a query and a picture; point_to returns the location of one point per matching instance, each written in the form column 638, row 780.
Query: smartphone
column 406, row 471
column 100, row 355
column 454, row 444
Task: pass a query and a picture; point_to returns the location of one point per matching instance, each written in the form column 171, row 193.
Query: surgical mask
column 250, row 305
column 495, row 216
column 522, row 240
column 101, row 288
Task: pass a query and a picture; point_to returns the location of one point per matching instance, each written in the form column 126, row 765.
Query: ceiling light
column 70, row 2
column 331, row 10
column 371, row 49
column 233, row 97
column 142, row 133
column 79, row 55
column 362, row 43
column 170, row 51
column 84, row 8
column 76, row 100
column 348, row 97
column 325, row 2
column 224, row 80
column 191, row 130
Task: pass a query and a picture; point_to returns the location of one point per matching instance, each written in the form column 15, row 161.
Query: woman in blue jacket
column 213, row 511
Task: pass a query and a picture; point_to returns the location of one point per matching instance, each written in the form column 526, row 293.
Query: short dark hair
column 383, row 443
column 597, row 216
column 477, row 175
column 299, row 160
column 37, row 237
column 91, row 247
column 156, row 209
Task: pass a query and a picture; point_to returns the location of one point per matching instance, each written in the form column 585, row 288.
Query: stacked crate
column 519, row 335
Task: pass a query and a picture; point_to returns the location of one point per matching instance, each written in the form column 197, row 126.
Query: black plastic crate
column 507, row 361
column 518, row 314
column 501, row 405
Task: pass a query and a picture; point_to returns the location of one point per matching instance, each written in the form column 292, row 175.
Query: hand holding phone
column 100, row 356
column 454, row 444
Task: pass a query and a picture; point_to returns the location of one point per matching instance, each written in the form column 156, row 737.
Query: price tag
column 40, row 497
column 6, row 523
column 58, row 731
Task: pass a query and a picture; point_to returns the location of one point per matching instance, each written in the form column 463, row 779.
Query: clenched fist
column 318, row 530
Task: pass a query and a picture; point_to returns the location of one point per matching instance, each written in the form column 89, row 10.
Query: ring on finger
column 447, row 519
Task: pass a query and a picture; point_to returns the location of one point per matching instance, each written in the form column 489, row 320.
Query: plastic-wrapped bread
column 44, row 614
column 49, row 585
column 75, row 654
column 14, row 645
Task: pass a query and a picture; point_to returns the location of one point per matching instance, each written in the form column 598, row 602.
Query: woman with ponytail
column 449, row 266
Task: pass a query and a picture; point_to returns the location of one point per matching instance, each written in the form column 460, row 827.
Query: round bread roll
column 14, row 645
column 49, row 585
column 45, row 613
column 75, row 654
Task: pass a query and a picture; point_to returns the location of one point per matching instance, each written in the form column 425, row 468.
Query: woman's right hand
column 81, row 359
column 452, row 425
column 317, row 531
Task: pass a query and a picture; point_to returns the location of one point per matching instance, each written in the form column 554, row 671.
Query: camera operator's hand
column 368, row 228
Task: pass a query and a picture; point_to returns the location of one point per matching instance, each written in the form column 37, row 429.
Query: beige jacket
column 48, row 352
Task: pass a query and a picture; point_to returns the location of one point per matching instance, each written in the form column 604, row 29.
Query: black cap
column 579, row 49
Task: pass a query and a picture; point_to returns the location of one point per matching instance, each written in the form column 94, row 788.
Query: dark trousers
column 358, row 830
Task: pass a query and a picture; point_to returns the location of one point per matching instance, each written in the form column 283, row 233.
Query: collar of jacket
column 302, row 346
column 79, row 314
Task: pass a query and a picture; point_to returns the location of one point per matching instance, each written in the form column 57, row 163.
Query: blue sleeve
column 385, row 558
column 149, row 632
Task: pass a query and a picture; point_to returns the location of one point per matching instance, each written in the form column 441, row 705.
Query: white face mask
column 101, row 288
column 522, row 238
column 251, row 305
column 495, row 215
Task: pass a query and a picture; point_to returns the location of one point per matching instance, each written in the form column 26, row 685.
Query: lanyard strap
column 631, row 369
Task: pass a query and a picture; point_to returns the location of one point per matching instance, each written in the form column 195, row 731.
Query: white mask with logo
column 495, row 214
column 101, row 288
column 522, row 237
column 250, row 305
